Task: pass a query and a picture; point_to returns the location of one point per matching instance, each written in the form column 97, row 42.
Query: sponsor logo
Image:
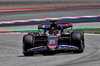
column 37, row 48
column 68, row 47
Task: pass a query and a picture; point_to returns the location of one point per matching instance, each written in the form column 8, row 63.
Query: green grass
column 94, row 31
column 90, row 31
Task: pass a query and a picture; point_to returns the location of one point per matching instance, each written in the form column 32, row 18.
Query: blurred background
column 7, row 4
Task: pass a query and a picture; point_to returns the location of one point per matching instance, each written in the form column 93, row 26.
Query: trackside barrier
column 59, row 20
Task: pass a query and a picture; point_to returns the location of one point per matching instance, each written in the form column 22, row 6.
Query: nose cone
column 53, row 46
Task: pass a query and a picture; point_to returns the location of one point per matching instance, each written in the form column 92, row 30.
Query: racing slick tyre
column 82, row 34
column 78, row 40
column 27, row 44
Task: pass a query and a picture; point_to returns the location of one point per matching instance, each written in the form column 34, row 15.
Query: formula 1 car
column 54, row 38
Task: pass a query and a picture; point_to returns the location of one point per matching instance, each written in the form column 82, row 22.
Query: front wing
column 60, row 47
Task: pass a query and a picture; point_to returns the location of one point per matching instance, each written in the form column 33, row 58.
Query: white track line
column 44, row 19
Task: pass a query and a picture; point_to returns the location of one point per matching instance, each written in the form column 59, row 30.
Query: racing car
column 54, row 38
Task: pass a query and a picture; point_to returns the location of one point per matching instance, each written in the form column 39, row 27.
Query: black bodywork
column 54, row 38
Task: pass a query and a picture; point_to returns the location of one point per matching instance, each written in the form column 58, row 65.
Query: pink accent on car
column 48, row 35
column 54, row 46
column 57, row 35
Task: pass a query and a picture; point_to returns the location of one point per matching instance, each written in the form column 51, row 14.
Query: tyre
column 28, row 43
column 82, row 34
column 78, row 40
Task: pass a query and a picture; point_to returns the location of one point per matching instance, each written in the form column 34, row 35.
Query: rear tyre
column 78, row 40
column 27, row 44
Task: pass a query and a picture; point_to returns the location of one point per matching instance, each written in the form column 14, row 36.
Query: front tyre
column 78, row 40
column 27, row 44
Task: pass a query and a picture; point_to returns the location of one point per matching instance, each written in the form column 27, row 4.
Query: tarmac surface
column 35, row 14
column 24, row 15
column 11, row 44
column 9, row 4
column 11, row 53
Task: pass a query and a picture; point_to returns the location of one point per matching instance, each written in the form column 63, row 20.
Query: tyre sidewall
column 77, row 39
column 27, row 42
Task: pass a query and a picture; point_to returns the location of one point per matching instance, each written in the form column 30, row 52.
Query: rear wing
column 64, row 26
column 59, row 26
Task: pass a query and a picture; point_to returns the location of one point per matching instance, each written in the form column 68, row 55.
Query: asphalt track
column 11, row 44
column 11, row 54
column 35, row 14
